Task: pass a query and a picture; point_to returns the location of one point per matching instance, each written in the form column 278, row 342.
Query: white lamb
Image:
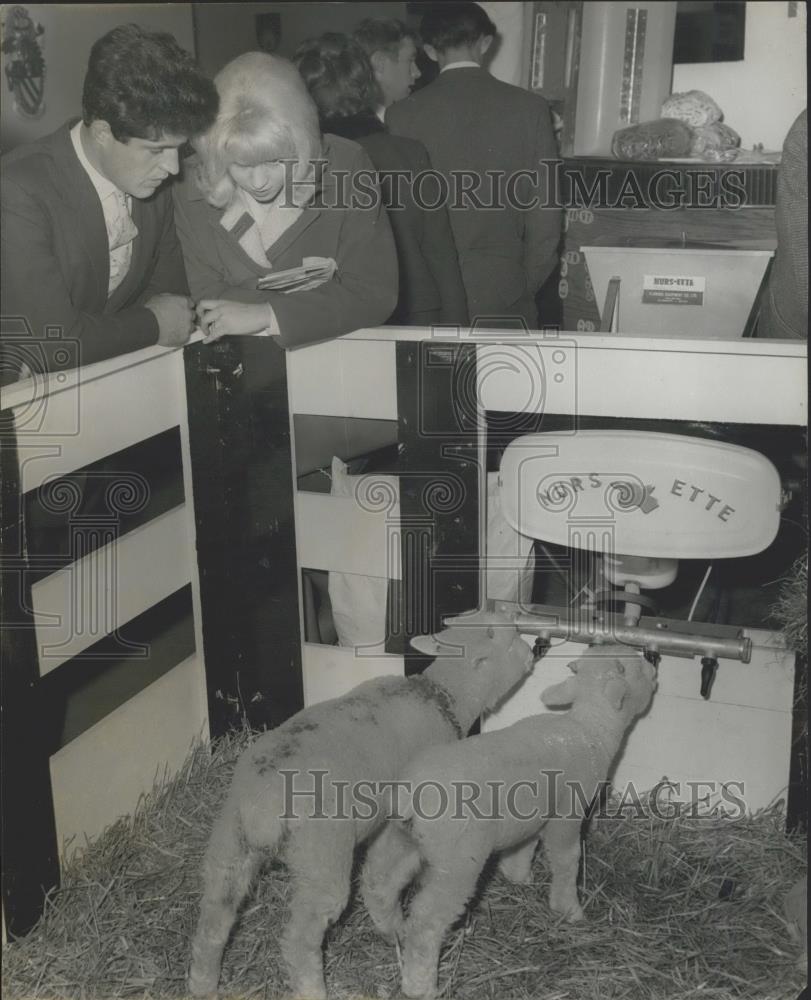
column 495, row 793
column 292, row 777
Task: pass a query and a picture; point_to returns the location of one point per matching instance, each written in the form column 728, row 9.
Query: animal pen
column 168, row 523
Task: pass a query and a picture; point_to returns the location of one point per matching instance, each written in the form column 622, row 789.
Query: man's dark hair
column 144, row 85
column 338, row 75
column 451, row 25
column 383, row 34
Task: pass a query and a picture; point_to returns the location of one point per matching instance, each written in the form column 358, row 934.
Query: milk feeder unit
column 639, row 501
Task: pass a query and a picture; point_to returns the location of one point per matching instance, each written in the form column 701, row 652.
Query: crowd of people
column 322, row 195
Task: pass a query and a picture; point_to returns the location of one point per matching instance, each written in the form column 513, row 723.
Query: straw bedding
column 791, row 608
column 675, row 908
column 790, row 614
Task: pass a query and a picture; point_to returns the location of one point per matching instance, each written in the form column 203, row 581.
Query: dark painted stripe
column 90, row 507
column 30, row 856
column 86, row 688
column 438, row 490
column 797, row 804
column 241, row 226
column 239, row 430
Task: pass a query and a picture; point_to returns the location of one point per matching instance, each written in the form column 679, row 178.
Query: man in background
column 89, row 251
column 490, row 140
column 785, row 311
column 392, row 51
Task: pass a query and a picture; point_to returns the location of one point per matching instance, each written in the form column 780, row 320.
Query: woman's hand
column 222, row 318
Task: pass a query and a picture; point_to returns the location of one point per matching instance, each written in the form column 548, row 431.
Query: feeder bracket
column 651, row 634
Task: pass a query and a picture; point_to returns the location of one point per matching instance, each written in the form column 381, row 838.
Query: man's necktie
column 121, row 231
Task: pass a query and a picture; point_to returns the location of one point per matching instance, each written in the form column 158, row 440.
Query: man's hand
column 175, row 316
column 222, row 318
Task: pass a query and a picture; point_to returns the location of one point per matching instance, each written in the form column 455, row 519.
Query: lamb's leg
column 440, row 900
column 320, row 863
column 391, row 863
column 515, row 864
column 561, row 840
column 229, row 869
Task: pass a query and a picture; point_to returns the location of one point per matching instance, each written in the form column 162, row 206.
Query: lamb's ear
column 560, row 694
column 426, row 644
column 616, row 690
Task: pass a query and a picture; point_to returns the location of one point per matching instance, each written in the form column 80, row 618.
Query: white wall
column 762, row 94
column 511, row 57
column 226, row 30
column 70, row 30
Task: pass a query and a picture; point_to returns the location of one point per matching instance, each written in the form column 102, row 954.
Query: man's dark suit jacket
column 469, row 121
column 55, row 255
column 785, row 310
column 431, row 288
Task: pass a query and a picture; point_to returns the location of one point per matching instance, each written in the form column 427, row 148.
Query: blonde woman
column 264, row 194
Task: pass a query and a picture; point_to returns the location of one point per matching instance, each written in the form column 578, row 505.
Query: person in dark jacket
column 785, row 311
column 392, row 50
column 494, row 145
column 340, row 78
column 88, row 243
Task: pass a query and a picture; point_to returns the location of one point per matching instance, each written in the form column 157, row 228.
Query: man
column 392, row 51
column 784, row 314
column 490, row 140
column 90, row 259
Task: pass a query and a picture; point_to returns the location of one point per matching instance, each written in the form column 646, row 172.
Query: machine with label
column 641, row 501
column 693, row 290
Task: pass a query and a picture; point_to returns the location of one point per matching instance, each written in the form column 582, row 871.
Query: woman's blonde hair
column 265, row 114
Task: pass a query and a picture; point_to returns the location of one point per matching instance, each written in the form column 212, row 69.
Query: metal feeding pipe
column 656, row 640
column 654, row 636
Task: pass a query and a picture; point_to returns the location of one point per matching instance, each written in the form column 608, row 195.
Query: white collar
column 381, row 113
column 462, row 64
column 103, row 185
column 258, row 210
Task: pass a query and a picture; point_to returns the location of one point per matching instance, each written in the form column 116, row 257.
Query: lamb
column 290, row 778
column 495, row 793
